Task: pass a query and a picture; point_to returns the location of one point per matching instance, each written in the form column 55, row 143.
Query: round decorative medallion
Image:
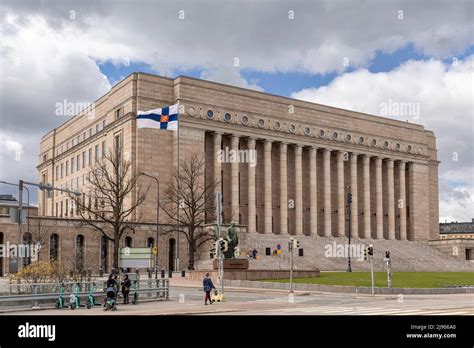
column 374, row 142
column 227, row 117
column 245, row 120
column 210, row 114
column 321, row 133
column 276, row 125
column 307, row 131
column 292, row 128
column 261, row 123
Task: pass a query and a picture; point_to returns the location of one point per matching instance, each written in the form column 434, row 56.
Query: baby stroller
column 110, row 299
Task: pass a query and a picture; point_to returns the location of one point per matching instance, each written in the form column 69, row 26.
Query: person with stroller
column 208, row 285
column 111, row 291
column 126, row 284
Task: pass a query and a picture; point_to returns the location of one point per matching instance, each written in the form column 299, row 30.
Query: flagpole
column 177, row 206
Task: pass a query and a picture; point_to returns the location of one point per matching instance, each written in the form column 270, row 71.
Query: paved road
column 189, row 300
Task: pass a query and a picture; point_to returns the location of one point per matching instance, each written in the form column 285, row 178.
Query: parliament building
column 309, row 157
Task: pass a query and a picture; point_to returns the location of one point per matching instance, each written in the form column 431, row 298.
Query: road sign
column 278, row 246
column 155, row 250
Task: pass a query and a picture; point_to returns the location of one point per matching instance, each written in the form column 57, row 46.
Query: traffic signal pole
column 372, row 274
column 219, row 252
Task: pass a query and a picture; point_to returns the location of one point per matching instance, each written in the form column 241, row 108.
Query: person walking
column 126, row 284
column 208, row 285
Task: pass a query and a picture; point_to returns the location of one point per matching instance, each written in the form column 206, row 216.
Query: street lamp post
column 157, row 216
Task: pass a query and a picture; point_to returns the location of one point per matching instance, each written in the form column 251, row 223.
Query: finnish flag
column 164, row 118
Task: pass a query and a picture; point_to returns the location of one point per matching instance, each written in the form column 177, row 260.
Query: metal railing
column 46, row 294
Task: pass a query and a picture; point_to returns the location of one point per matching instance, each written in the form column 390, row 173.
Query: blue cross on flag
column 164, row 118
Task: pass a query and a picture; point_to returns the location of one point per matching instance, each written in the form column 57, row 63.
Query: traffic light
column 387, row 254
column 370, row 250
column 349, row 198
column 297, row 245
column 213, row 250
column 223, row 245
column 366, row 257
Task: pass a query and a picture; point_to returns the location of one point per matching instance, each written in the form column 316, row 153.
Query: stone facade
column 309, row 157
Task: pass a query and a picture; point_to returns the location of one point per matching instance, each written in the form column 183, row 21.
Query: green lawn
column 400, row 279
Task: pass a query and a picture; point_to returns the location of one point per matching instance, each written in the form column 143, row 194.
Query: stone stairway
column 405, row 255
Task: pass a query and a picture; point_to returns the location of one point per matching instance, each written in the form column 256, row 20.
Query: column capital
column 268, row 145
column 235, row 140
column 283, row 147
column 251, row 143
column 390, row 163
column 298, row 149
column 354, row 157
column 401, row 164
column 378, row 161
column 313, row 150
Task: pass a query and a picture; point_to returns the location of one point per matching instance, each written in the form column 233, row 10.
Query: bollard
column 183, row 273
column 170, row 274
column 162, row 273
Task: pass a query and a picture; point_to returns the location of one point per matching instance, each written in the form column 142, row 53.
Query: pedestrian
column 208, row 285
column 126, row 283
column 254, row 253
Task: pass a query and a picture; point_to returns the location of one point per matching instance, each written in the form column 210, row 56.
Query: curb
column 257, row 285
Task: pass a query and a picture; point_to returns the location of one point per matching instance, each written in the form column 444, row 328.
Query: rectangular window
column 62, row 170
column 67, row 167
column 72, row 184
column 57, row 209
column 97, row 152
column 97, row 128
column 78, row 162
column 57, row 172
column 83, row 159
column 72, row 165
column 90, row 156
column 78, row 139
column 77, row 182
column 66, row 207
column 104, row 123
column 84, row 136
column 117, row 114
column 90, row 132
column 61, row 215
column 104, row 148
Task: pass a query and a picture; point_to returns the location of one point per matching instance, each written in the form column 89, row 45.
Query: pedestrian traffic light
column 349, row 198
column 213, row 250
column 223, row 245
column 297, row 244
column 370, row 250
column 387, row 254
column 365, row 253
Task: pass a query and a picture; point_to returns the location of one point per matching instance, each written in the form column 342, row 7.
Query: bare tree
column 113, row 195
column 39, row 232
column 188, row 189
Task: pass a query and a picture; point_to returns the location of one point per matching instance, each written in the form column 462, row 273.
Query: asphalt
column 187, row 298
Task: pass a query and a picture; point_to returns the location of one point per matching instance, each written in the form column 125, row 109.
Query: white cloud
column 444, row 94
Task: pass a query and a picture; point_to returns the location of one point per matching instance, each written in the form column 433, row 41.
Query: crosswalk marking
column 329, row 310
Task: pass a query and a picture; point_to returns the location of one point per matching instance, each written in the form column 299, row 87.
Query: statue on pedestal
column 233, row 240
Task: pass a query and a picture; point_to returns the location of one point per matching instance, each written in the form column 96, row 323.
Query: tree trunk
column 191, row 251
column 116, row 252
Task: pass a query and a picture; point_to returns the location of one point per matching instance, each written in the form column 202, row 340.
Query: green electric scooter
column 91, row 302
column 135, row 292
column 74, row 298
column 60, row 300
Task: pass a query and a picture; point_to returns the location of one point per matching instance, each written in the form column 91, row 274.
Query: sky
column 353, row 55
